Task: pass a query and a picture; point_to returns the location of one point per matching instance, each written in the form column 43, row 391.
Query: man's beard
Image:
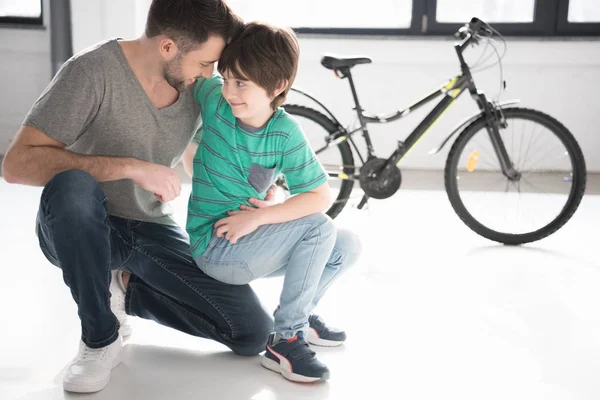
column 172, row 74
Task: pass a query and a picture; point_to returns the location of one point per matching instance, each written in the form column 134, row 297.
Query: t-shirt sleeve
column 68, row 105
column 300, row 165
column 207, row 93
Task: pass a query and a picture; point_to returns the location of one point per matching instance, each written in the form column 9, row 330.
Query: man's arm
column 34, row 158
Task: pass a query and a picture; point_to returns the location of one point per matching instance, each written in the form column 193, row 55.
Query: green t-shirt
column 235, row 162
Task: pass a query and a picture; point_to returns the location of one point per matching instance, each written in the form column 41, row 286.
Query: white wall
column 25, row 71
column 560, row 77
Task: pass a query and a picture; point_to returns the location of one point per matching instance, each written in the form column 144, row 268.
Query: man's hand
column 237, row 225
column 274, row 196
column 158, row 179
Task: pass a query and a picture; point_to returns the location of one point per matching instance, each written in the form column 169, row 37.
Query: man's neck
column 140, row 54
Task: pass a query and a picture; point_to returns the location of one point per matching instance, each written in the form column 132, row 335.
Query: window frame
column 564, row 27
column 24, row 22
column 550, row 20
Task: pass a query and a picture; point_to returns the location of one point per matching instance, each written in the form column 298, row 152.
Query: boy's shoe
column 321, row 335
column 90, row 370
column 117, row 303
column 294, row 359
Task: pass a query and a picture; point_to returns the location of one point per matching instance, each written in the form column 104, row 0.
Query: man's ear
column 167, row 48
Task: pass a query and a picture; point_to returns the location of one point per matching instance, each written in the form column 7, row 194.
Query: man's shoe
column 90, row 371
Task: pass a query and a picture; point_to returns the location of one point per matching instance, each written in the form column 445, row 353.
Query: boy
column 247, row 141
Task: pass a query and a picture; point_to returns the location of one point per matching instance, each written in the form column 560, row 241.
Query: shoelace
column 90, row 355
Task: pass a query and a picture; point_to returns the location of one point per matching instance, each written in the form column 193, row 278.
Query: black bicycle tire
column 575, row 196
column 346, row 152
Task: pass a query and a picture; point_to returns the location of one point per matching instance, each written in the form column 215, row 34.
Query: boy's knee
column 348, row 243
column 324, row 224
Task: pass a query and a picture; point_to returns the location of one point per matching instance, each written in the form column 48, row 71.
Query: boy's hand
column 274, row 196
column 237, row 225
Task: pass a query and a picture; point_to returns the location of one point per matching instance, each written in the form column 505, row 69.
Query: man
column 102, row 139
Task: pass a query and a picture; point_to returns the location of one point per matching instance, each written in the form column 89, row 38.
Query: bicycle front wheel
column 337, row 160
column 539, row 201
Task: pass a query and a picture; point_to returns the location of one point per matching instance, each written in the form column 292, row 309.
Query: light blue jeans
column 310, row 252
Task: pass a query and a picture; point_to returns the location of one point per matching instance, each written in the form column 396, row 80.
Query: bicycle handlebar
column 471, row 31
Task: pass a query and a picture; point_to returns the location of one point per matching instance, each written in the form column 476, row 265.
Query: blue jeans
column 309, row 252
column 77, row 235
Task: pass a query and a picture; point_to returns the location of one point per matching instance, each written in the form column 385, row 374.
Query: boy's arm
column 307, row 182
column 188, row 158
column 207, row 93
column 190, row 152
column 301, row 205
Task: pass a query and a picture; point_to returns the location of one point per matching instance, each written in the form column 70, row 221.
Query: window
column 510, row 17
column 328, row 15
column 584, row 11
column 578, row 17
column 21, row 12
column 492, row 11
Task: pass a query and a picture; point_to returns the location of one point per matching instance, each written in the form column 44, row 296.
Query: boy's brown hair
column 264, row 54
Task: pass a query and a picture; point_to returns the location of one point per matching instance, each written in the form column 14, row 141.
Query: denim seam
column 310, row 266
column 167, row 300
column 326, row 285
column 195, row 289
column 108, row 270
column 130, row 255
column 103, row 343
column 232, row 264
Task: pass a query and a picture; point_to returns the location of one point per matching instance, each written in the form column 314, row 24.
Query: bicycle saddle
column 332, row 61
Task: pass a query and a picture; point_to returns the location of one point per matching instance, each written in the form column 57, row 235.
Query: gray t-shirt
column 95, row 105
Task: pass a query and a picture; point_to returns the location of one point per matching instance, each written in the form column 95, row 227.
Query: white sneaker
column 90, row 370
column 117, row 303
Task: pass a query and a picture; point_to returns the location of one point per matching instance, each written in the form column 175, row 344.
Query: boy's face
column 249, row 102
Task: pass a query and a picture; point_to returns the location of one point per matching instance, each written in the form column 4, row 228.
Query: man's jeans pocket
column 231, row 272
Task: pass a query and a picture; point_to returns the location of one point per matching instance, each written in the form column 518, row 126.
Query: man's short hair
column 264, row 54
column 189, row 23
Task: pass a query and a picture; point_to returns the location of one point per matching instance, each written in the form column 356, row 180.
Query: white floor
column 432, row 311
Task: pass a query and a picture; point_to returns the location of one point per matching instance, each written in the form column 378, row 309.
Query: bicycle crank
column 377, row 182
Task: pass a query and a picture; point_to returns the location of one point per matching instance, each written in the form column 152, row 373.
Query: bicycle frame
column 451, row 91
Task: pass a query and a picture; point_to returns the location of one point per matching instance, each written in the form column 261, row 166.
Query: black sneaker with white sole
column 294, row 359
column 320, row 334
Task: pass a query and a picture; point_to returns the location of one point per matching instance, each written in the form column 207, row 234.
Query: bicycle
column 480, row 151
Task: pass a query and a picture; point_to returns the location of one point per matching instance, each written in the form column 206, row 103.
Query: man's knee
column 75, row 194
column 254, row 341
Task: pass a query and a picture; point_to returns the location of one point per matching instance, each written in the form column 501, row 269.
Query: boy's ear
column 280, row 88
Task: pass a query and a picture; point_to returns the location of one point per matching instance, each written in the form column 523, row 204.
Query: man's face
column 183, row 70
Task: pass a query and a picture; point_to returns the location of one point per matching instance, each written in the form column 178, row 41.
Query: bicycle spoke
column 522, row 206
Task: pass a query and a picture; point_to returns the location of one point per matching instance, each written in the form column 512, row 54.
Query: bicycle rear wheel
column 550, row 186
column 338, row 161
